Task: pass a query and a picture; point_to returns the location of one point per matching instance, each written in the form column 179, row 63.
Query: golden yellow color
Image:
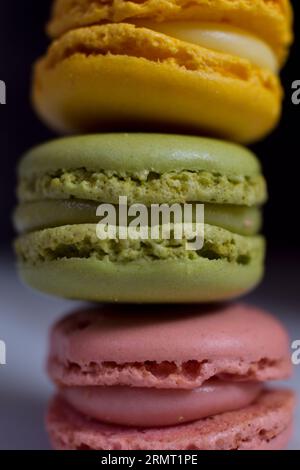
column 270, row 20
column 202, row 66
column 119, row 76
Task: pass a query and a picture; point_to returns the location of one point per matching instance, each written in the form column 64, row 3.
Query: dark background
column 22, row 40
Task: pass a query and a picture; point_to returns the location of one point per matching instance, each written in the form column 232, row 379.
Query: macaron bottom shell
column 264, row 425
column 164, row 281
column 85, row 93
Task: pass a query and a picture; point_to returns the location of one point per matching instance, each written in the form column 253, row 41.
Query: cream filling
column 151, row 407
column 221, row 38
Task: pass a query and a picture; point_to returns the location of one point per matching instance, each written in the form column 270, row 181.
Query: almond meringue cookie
column 203, row 68
column 129, row 379
column 62, row 183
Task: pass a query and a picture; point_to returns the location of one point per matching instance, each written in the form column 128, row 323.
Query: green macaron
column 62, row 183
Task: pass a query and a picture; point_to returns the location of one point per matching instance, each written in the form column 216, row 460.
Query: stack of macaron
column 161, row 93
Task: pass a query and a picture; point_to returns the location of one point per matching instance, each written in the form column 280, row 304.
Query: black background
column 22, row 40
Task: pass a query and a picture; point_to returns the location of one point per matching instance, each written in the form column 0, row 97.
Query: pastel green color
column 138, row 152
column 70, row 261
column 61, row 183
column 162, row 281
column 39, row 215
column 81, row 241
column 147, row 168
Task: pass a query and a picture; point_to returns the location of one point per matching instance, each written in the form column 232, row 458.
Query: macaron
column 62, row 183
column 129, row 379
column 202, row 67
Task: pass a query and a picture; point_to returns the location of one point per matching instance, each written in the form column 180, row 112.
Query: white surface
column 25, row 318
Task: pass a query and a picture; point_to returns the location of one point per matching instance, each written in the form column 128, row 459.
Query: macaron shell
column 264, row 425
column 148, row 347
column 140, row 152
column 162, row 281
column 169, row 83
column 269, row 20
column 147, row 168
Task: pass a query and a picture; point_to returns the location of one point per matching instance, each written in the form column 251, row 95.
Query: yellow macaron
column 206, row 67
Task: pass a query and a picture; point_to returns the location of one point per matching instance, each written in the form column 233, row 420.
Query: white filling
column 221, row 38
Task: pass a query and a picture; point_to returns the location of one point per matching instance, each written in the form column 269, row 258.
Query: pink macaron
column 188, row 377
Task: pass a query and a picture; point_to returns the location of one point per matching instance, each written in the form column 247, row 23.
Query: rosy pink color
column 167, row 347
column 266, row 424
column 149, row 407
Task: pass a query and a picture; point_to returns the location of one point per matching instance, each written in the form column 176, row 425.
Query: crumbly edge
column 145, row 187
column 127, row 39
column 166, row 374
column 275, row 15
column 82, row 242
column 119, row 10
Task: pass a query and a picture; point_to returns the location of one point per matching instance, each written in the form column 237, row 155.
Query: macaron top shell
column 146, row 168
column 137, row 152
column 269, row 20
column 168, row 348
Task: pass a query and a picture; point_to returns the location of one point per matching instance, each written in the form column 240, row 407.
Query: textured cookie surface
column 269, row 20
column 151, row 350
column 82, row 242
column 264, row 425
column 147, row 168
